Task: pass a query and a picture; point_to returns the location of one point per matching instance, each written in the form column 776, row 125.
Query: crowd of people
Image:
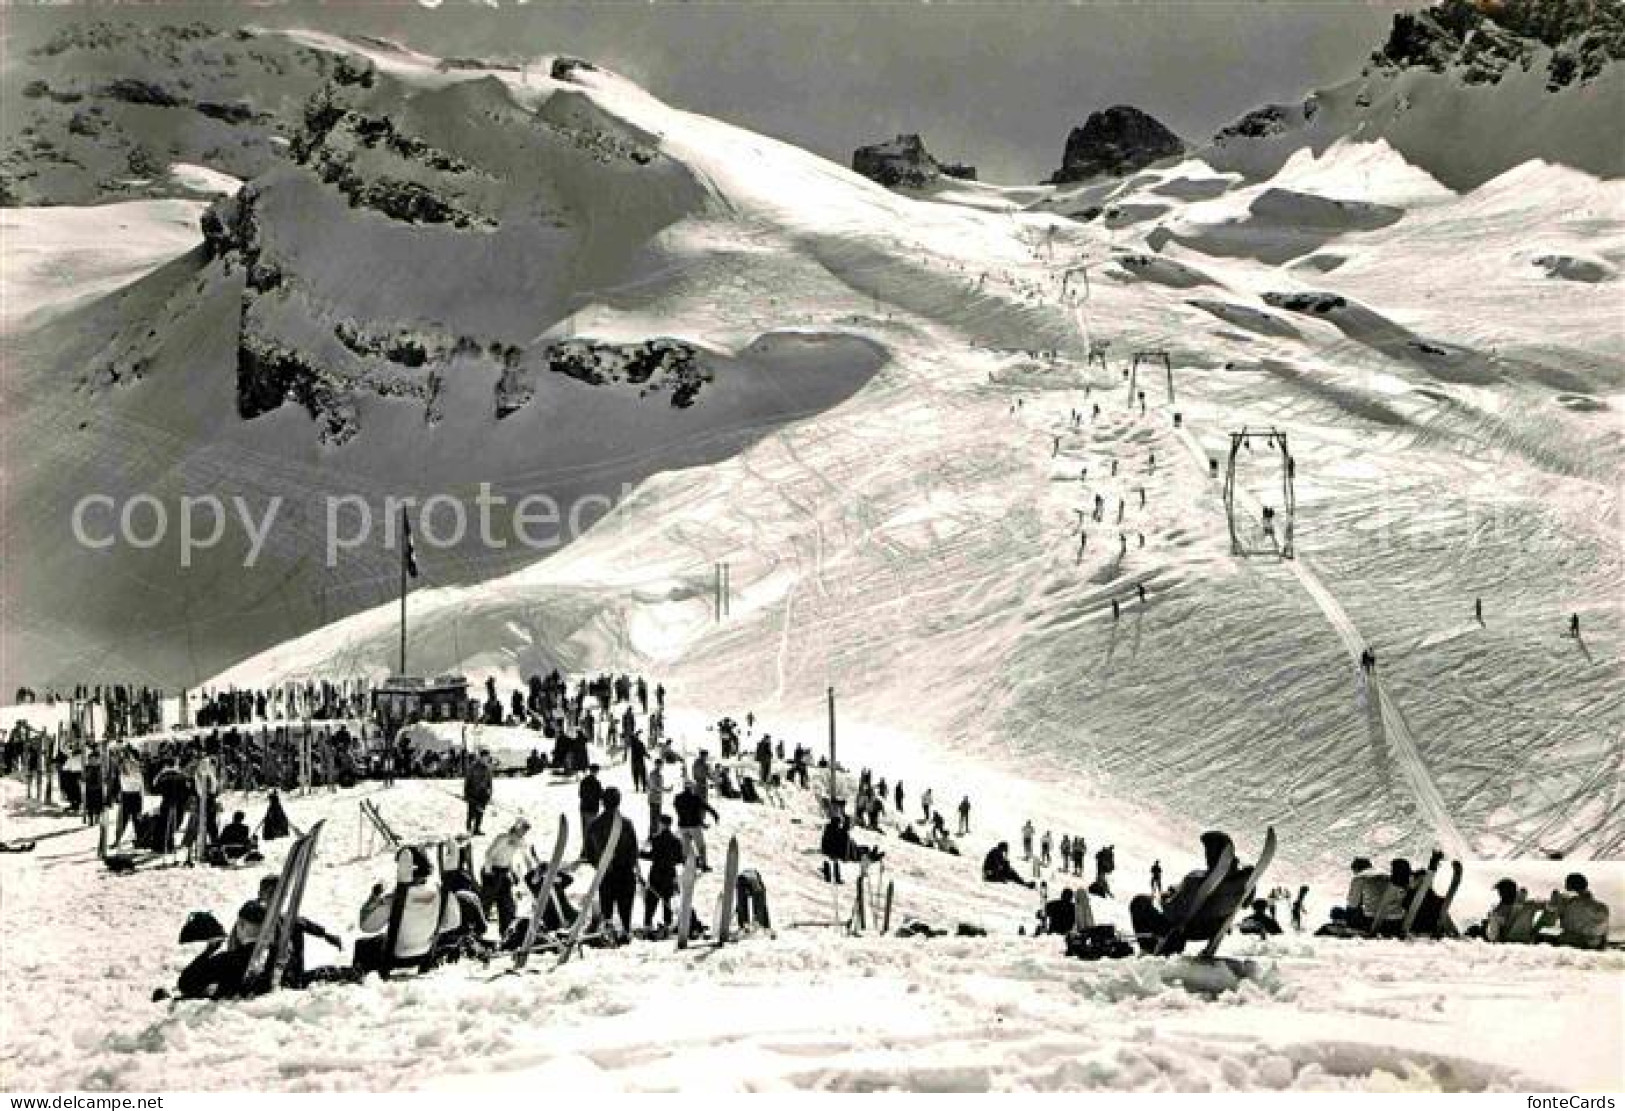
column 440, row 907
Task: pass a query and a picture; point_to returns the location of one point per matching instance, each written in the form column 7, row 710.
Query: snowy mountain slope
column 942, row 593
column 554, row 318
column 98, row 110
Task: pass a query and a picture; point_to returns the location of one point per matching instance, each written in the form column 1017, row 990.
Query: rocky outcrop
column 656, row 366
column 1114, row 143
column 99, row 94
column 1483, row 40
column 1314, row 302
column 904, row 163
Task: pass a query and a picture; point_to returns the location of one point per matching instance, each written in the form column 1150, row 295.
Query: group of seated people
column 1572, row 917
column 1379, row 903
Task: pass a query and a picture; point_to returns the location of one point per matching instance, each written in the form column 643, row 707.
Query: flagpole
column 405, row 540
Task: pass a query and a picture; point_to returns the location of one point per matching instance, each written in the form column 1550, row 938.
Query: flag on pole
column 408, row 556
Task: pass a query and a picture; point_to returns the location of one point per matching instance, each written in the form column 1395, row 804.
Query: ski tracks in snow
column 1401, row 741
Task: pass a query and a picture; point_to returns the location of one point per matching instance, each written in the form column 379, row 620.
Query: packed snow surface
column 809, row 1009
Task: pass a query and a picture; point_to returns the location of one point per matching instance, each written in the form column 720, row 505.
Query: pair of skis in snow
column 862, row 905
column 544, row 895
column 1413, row 910
column 375, row 818
column 725, row 900
column 273, row 947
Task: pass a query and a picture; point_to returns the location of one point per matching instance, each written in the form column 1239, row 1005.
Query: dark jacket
column 477, row 784
column 665, row 857
column 837, row 841
column 625, row 861
column 591, row 794
column 1060, row 916
column 691, row 809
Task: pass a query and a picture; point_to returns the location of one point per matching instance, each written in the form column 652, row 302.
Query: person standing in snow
column 1027, row 840
column 665, row 857
column 1156, row 877
column 764, row 758
column 656, row 786
column 691, row 810
column 964, row 816
column 638, row 757
column 504, row 867
column 1044, row 846
column 477, row 788
column 1298, row 908
column 621, row 878
column 131, row 795
column 925, row 805
column 589, row 795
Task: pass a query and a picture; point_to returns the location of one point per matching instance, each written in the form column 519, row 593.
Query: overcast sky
column 994, row 84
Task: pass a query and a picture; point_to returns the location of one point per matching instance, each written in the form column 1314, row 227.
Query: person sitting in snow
column 1581, row 918
column 1511, row 919
column 1261, row 922
column 1178, row 919
column 1366, row 887
column 414, row 922
column 996, row 866
column 1060, row 915
column 219, row 972
column 236, row 840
